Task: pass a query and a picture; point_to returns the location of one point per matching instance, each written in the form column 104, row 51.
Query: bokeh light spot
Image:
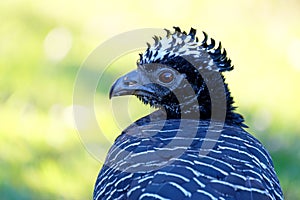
column 262, row 119
column 58, row 43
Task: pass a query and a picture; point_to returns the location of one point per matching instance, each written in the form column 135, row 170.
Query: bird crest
column 201, row 54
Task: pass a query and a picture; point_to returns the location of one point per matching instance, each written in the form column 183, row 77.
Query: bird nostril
column 129, row 82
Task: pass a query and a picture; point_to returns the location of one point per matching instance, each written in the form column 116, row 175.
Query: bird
column 195, row 144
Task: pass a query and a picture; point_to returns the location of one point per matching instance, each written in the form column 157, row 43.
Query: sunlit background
column 44, row 43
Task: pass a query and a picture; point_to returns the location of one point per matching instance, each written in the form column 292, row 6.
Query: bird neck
column 202, row 107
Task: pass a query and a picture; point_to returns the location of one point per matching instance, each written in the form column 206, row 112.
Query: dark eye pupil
column 166, row 77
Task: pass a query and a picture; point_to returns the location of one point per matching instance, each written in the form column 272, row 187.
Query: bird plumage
column 194, row 146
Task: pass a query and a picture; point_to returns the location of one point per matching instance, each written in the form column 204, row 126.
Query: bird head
column 174, row 73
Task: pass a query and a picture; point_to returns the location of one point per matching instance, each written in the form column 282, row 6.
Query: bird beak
column 129, row 84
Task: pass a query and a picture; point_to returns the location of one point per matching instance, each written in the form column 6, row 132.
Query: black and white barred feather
column 238, row 167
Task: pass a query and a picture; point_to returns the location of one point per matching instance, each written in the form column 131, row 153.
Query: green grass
column 42, row 155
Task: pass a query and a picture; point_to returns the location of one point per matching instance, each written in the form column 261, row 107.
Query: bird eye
column 166, row 77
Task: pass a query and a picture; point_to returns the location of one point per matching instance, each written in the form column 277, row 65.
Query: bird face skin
column 147, row 83
column 153, row 84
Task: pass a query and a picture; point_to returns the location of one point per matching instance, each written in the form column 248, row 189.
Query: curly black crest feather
column 180, row 43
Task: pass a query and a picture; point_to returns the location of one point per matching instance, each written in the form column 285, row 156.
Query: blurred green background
column 44, row 43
